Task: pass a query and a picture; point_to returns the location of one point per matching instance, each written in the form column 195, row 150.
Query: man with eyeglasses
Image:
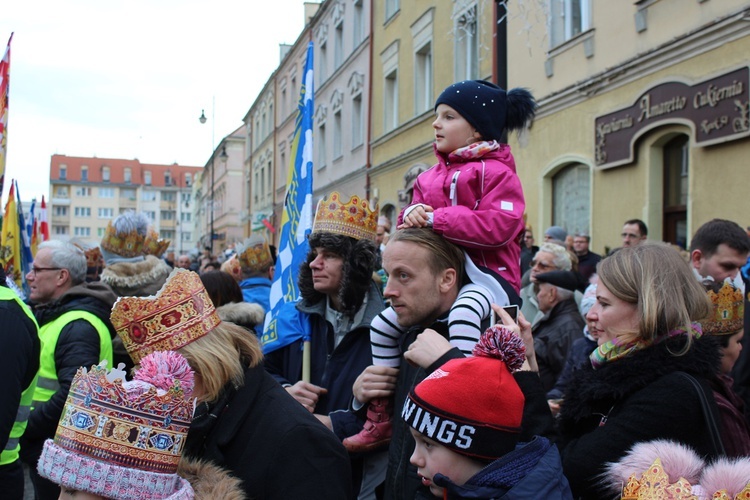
column 550, row 257
column 75, row 331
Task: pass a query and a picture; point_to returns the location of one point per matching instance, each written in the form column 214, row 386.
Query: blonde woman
column 648, row 302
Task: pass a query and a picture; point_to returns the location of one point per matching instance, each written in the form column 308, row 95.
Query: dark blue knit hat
column 488, row 108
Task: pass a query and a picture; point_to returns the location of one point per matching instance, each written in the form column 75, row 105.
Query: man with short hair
column 184, row 261
column 425, row 274
column 560, row 325
column 718, row 250
column 587, row 260
column 74, row 330
column 634, row 232
column 550, row 257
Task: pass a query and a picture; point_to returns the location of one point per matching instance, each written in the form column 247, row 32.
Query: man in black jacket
column 75, row 331
column 19, row 362
column 425, row 273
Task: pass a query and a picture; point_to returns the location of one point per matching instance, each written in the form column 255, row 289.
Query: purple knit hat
column 124, row 440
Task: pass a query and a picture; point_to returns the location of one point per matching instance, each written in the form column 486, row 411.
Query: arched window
column 571, row 205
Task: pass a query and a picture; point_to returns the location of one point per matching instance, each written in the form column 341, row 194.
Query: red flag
column 43, row 226
column 4, row 86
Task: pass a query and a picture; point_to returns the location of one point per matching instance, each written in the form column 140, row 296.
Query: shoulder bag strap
column 708, row 414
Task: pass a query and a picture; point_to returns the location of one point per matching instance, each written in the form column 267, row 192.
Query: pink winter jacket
column 479, row 206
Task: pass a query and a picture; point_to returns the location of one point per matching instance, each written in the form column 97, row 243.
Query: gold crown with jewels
column 351, row 218
column 180, row 313
column 127, row 245
column 727, row 310
column 153, row 245
column 254, row 253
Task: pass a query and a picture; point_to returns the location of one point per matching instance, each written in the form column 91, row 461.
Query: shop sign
column 717, row 110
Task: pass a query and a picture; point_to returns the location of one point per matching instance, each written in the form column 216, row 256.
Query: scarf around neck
column 616, row 349
column 476, row 150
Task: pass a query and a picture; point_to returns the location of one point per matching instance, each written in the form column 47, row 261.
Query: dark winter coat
column 578, row 356
column 536, row 462
column 402, row 480
column 77, row 346
column 741, row 370
column 553, row 336
column 637, row 398
column 267, row 439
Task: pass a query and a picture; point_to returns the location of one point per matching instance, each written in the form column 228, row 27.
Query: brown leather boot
column 378, row 428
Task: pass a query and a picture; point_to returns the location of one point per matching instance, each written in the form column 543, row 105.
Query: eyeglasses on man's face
column 35, row 270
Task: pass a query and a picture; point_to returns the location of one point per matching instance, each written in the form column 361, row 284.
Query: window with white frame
column 337, row 134
column 390, row 112
column 100, row 231
column 60, row 230
column 338, row 45
column 148, row 195
column 84, row 173
column 147, row 177
column 82, row 211
column 423, row 79
column 256, row 186
column 186, row 236
column 61, row 211
column 571, row 208
column 63, row 172
column 82, row 231
column 269, row 179
column 128, row 175
column 467, row 45
column 568, row 18
column 169, row 196
column 323, row 63
column 127, row 194
column 166, row 234
column 106, row 192
column 391, row 7
column 185, row 197
column 185, row 217
column 167, row 215
column 167, row 178
column 105, row 174
column 106, row 213
column 83, row 192
column 61, row 192
column 321, row 143
column 188, row 179
column 151, row 215
column 357, row 125
column 358, row 26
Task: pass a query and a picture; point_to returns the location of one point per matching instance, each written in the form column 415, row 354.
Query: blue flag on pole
column 26, row 257
column 283, row 323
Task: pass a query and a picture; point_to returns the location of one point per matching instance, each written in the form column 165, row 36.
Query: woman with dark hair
column 226, row 296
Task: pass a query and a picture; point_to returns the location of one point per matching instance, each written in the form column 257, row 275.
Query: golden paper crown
column 153, row 245
column 728, row 311
column 654, row 483
column 180, row 313
column 125, row 244
column 135, row 426
column 254, row 254
column 353, row 218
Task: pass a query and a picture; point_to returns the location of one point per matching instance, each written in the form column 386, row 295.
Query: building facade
column 87, row 193
column 643, row 114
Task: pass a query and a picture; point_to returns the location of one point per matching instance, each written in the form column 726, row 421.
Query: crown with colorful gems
column 121, row 439
column 128, row 244
column 254, row 253
column 727, row 310
column 352, row 218
column 180, row 313
column 153, row 245
column 654, row 483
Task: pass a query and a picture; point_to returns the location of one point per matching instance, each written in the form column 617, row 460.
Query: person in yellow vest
column 75, row 331
column 19, row 363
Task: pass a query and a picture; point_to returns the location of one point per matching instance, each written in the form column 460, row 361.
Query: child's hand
column 417, row 217
column 427, row 348
column 523, row 330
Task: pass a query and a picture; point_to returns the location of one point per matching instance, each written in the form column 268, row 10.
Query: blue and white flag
column 26, row 257
column 283, row 324
column 30, row 220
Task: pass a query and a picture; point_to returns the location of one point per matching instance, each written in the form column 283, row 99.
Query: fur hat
column 473, row 405
column 123, row 440
column 488, row 108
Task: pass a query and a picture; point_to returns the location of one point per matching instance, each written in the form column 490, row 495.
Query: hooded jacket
column 532, row 470
column 485, row 214
column 77, row 346
column 637, row 398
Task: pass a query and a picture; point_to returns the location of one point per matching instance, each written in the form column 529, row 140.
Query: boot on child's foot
column 378, row 428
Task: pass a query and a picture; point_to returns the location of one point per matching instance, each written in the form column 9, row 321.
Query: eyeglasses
column 35, row 270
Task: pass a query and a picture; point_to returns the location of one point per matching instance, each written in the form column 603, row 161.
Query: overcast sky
column 128, row 79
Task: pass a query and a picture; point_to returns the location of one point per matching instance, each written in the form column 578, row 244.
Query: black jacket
column 19, row 361
column 77, row 346
column 553, row 336
column 263, row 436
column 633, row 399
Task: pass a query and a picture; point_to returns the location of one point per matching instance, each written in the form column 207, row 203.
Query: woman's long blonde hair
column 222, row 356
column 656, row 278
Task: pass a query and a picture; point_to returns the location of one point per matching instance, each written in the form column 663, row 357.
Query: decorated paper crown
column 180, row 313
column 232, row 266
column 654, row 483
column 124, row 440
column 254, row 253
column 128, row 244
column 352, row 218
column 153, row 245
column 727, row 312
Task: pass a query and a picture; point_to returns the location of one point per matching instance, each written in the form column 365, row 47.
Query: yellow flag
column 10, row 247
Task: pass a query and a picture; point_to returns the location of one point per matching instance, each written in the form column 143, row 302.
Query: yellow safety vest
column 9, row 454
column 47, row 383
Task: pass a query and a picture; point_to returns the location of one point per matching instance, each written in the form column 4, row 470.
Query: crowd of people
column 132, row 373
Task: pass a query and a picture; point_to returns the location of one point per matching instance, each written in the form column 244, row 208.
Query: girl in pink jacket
column 473, row 198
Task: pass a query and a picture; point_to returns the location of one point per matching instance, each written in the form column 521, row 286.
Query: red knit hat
column 473, row 405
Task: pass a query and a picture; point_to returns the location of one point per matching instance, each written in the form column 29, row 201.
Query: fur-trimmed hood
column 137, row 279
column 209, row 481
column 613, row 382
column 242, row 313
